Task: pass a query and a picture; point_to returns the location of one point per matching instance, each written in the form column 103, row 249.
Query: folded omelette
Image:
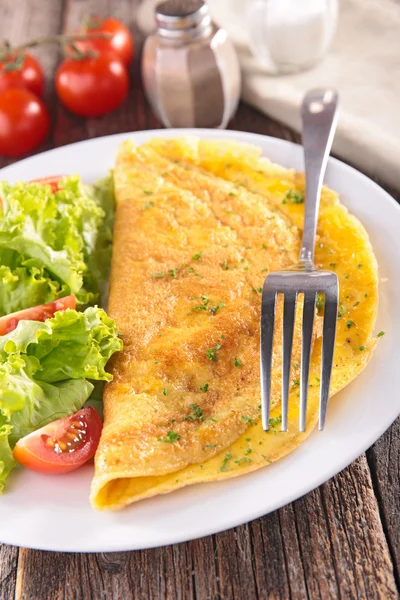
column 199, row 225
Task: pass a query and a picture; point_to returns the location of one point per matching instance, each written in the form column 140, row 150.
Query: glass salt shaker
column 291, row 35
column 190, row 69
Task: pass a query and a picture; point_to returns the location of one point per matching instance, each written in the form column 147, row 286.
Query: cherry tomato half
column 36, row 313
column 52, row 180
column 61, row 446
column 24, row 122
column 22, row 71
column 121, row 42
column 93, row 86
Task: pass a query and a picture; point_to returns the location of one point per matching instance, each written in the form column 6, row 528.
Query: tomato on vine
column 92, row 85
column 120, row 41
column 24, row 122
column 21, row 70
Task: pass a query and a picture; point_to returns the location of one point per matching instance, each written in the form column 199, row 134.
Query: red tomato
column 61, row 446
column 92, row 86
column 121, row 42
column 24, row 122
column 22, row 71
column 36, row 313
column 53, row 181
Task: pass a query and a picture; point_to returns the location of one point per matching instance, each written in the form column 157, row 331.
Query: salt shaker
column 190, row 69
column 291, row 35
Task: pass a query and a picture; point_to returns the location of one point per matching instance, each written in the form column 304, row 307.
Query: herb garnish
column 164, row 391
column 349, row 324
column 275, row 421
column 158, row 275
column 292, row 197
column 342, row 311
column 204, row 305
column 148, row 205
column 171, row 437
column 245, row 459
column 147, row 192
column 238, row 363
column 214, row 309
column 196, row 414
column 380, row 334
column 320, row 302
column 204, row 387
column 197, row 256
column 247, row 419
column 227, row 457
column 361, row 348
column 224, row 265
column 211, row 352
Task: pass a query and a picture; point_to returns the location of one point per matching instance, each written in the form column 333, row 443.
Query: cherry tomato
column 24, row 122
column 121, row 42
column 53, row 181
column 22, row 71
column 36, row 313
column 61, row 446
column 92, row 86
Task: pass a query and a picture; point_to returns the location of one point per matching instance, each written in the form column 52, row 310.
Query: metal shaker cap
column 175, row 15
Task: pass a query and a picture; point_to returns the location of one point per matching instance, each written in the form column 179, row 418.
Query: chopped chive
column 247, row 419
column 227, row 457
column 171, row 437
column 292, row 197
column 196, row 413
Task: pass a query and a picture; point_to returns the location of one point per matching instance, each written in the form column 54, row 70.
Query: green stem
column 55, row 39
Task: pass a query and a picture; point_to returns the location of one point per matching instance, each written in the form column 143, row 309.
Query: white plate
column 53, row 513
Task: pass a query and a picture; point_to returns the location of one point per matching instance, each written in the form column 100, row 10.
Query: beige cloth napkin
column 363, row 64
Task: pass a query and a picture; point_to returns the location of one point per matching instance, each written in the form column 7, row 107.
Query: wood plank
column 383, row 459
column 8, row 571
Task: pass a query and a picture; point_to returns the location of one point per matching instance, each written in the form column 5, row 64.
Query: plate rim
column 290, row 496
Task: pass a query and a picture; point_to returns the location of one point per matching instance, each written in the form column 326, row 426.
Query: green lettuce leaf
column 44, row 369
column 54, row 244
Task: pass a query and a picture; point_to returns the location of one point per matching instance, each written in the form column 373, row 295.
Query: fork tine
column 289, row 307
column 308, row 324
column 328, row 344
column 267, row 337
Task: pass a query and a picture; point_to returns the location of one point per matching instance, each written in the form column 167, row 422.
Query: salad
column 55, row 341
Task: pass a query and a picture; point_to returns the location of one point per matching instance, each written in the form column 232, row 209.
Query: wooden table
column 340, row 541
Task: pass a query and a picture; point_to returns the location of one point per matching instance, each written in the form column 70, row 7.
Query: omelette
column 199, row 224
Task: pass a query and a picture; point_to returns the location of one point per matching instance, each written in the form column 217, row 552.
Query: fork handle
column 319, row 116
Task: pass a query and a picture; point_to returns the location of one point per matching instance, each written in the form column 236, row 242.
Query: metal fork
column 319, row 116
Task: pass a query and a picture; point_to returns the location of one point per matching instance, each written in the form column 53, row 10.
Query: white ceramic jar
column 291, row 35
